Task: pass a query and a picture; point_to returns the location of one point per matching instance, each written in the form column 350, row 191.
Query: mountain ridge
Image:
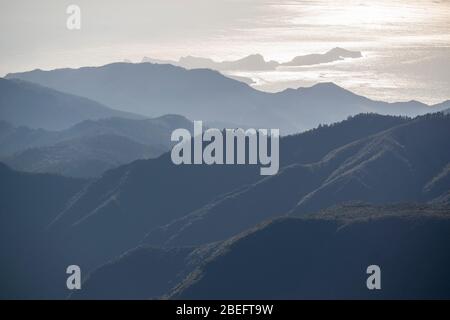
column 270, row 260
column 133, row 197
column 256, row 62
column 203, row 94
column 318, row 258
column 29, row 104
column 90, row 147
column 372, row 169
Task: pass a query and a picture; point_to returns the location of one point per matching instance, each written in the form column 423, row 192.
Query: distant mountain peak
column 327, row 84
column 26, row 102
column 332, row 55
column 254, row 57
column 157, row 89
column 326, row 87
column 256, row 61
column 344, row 53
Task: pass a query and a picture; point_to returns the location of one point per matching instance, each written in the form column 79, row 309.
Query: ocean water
column 405, row 43
column 405, row 46
column 421, row 74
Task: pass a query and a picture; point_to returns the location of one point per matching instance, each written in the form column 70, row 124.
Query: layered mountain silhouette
column 202, row 94
column 89, row 148
column 252, row 62
column 256, row 62
column 197, row 216
column 390, row 166
column 82, row 157
column 28, row 104
column 132, row 200
column 332, row 55
column 14, row 139
column 86, row 178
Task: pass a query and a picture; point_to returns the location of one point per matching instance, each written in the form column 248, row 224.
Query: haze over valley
column 91, row 114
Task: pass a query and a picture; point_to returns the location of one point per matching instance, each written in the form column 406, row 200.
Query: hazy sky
column 412, row 37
